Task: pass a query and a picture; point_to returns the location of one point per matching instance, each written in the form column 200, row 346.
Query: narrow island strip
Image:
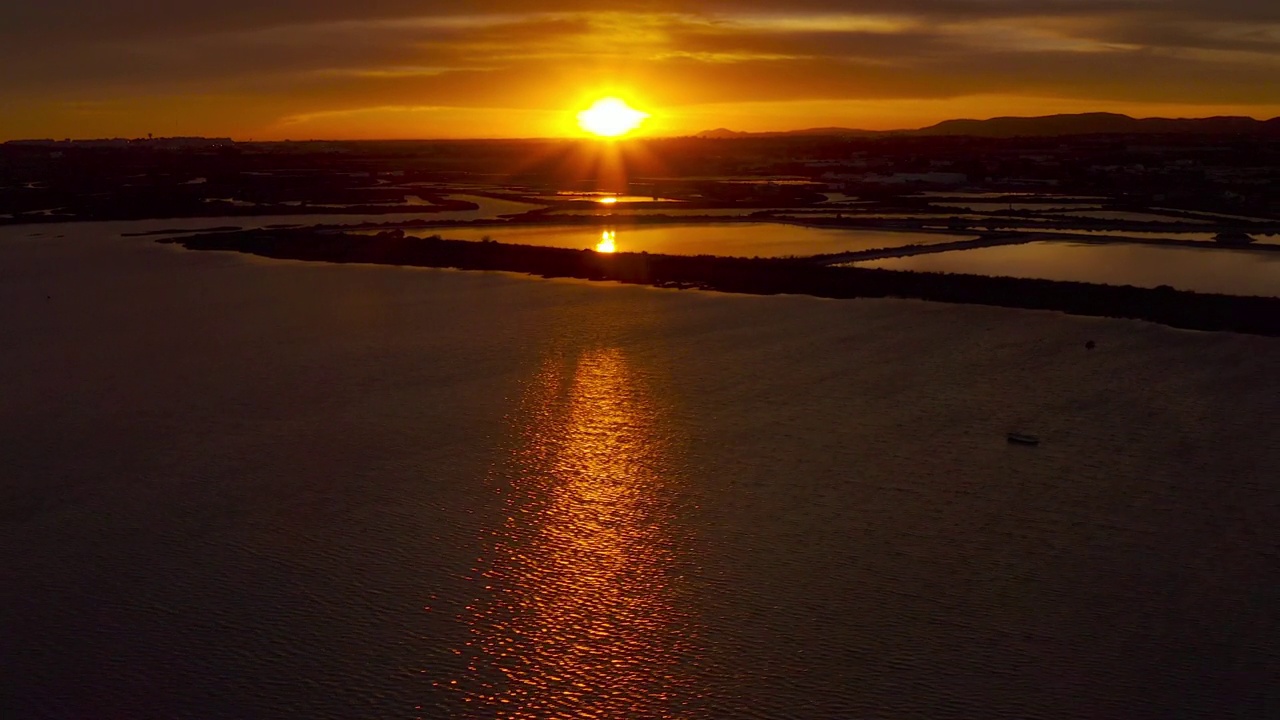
column 758, row 276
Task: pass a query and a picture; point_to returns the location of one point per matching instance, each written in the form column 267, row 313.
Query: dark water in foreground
column 235, row 488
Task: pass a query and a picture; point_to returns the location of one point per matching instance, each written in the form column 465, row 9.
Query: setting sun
column 610, row 118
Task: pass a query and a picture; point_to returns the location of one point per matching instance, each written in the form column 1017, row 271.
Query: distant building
column 175, row 143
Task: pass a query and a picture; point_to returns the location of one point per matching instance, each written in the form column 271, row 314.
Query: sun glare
column 610, row 118
column 607, row 242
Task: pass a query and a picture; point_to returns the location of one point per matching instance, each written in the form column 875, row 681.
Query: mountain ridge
column 1097, row 123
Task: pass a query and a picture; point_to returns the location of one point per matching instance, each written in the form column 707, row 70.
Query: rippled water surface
column 238, row 488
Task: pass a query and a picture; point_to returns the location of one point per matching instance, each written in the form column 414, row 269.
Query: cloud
column 330, row 59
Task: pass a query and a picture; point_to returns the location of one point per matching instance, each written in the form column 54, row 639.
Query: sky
column 340, row 69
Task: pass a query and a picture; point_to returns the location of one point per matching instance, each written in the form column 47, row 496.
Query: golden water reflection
column 608, row 241
column 580, row 620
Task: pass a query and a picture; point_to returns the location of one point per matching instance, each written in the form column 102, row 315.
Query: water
column 412, row 200
column 1206, row 237
column 844, row 198
column 1129, row 216
column 789, row 181
column 607, row 210
column 1250, row 218
column 996, row 195
column 739, row 239
column 490, row 209
column 1211, row 270
column 846, row 215
column 604, row 198
column 1018, row 206
column 238, row 488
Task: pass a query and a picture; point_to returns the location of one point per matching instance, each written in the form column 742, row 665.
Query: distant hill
column 1091, row 124
column 1051, row 125
column 833, row 131
column 724, row 133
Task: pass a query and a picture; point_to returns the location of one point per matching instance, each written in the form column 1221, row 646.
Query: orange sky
column 422, row 68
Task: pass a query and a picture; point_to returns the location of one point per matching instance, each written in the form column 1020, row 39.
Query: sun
column 610, row 118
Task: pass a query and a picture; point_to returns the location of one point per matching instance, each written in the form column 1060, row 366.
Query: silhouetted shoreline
column 162, row 209
column 756, row 276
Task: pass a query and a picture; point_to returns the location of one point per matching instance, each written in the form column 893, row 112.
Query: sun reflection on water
column 580, row 621
column 608, row 242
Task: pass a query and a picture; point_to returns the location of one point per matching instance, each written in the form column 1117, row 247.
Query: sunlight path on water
column 579, row 619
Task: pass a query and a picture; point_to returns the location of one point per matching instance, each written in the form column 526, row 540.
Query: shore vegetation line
column 758, row 276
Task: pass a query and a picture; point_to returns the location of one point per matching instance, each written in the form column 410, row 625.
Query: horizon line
column 635, row 136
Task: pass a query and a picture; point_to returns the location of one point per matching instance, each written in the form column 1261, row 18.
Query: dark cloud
column 134, row 18
column 1176, row 34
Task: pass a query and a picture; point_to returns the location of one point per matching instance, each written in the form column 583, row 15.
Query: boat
column 1023, row 439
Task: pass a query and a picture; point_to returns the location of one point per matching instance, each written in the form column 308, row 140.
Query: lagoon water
column 740, row 239
column 240, row 488
column 489, row 209
column 1130, row 216
column 603, row 198
column 599, row 210
column 1204, row 237
column 987, row 207
column 1209, row 269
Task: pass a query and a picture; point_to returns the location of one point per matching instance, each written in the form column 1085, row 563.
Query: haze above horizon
column 428, row 69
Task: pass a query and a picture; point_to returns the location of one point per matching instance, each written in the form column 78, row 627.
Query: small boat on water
column 1023, row 439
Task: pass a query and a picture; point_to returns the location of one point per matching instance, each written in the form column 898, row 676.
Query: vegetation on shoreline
column 760, row 276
